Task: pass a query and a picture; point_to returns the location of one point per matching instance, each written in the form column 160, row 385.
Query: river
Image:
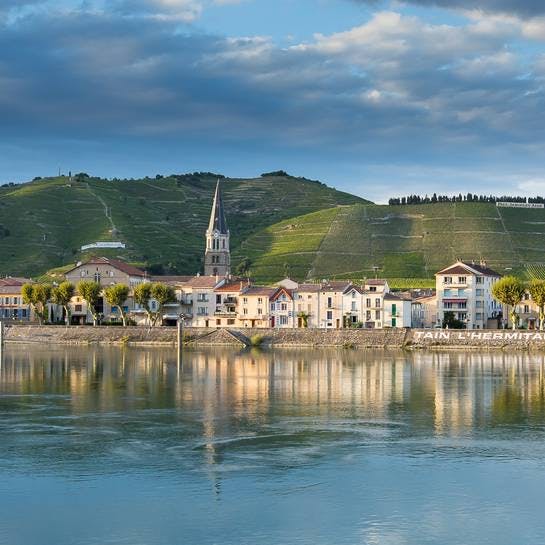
column 129, row 446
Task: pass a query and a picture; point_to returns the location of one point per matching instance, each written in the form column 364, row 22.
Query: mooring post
column 1, row 343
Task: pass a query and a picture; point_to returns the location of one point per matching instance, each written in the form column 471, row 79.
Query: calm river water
column 106, row 446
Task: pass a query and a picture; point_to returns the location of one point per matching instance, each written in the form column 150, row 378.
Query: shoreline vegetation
column 409, row 339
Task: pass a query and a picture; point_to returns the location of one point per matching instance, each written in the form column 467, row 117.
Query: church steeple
column 217, row 258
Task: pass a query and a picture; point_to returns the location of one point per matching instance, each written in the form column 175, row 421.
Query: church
column 217, row 256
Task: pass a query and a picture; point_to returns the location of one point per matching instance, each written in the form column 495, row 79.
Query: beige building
column 12, row 307
column 424, row 312
column 254, row 305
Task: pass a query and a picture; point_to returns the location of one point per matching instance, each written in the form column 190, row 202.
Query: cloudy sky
column 377, row 98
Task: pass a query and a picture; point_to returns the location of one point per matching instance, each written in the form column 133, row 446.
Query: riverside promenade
column 311, row 338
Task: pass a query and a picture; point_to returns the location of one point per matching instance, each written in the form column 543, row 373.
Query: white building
column 465, row 289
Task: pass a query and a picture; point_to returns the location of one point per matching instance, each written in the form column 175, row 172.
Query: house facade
column 12, row 307
column 465, row 289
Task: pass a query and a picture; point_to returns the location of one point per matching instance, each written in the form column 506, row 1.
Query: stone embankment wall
column 236, row 337
column 345, row 338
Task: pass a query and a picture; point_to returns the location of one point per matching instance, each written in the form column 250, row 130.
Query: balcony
column 225, row 310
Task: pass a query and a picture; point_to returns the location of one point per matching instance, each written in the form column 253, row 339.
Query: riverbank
column 304, row 338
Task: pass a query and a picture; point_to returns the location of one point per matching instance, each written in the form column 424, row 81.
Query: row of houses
column 214, row 301
column 211, row 301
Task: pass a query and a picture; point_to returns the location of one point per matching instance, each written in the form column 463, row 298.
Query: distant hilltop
column 280, row 226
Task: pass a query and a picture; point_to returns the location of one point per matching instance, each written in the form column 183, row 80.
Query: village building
column 397, row 311
column 282, row 309
column 424, row 312
column 12, row 307
column 465, row 289
column 254, row 305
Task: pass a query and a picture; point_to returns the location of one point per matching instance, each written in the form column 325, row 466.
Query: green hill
column 44, row 223
column 408, row 244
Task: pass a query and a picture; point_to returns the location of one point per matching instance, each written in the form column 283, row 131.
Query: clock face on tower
column 216, row 234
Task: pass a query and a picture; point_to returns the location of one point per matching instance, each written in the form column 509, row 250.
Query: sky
column 378, row 98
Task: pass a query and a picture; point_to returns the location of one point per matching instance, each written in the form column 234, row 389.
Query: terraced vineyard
column 162, row 221
column 399, row 242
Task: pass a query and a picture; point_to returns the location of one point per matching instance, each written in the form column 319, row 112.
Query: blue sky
column 376, row 98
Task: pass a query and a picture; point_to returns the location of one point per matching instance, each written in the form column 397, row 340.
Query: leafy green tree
column 509, row 291
column 142, row 296
column 243, row 267
column 90, row 291
column 537, row 293
column 163, row 294
column 116, row 296
column 62, row 295
column 451, row 322
column 37, row 296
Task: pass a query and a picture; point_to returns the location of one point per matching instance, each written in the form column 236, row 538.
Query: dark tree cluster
column 275, row 173
column 469, row 197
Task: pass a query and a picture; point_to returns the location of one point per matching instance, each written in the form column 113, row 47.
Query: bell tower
column 217, row 257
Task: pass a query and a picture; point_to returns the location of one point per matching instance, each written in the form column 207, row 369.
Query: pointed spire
column 217, row 217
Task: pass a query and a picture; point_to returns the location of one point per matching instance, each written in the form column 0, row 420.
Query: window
column 284, row 306
column 479, row 292
column 245, row 300
column 245, row 311
column 353, row 295
column 329, row 315
column 478, row 304
column 78, row 308
column 353, row 305
column 526, row 309
column 478, row 315
column 230, row 321
column 218, row 299
column 368, row 315
column 377, row 302
column 462, row 280
column 260, row 300
column 373, row 288
column 283, row 320
column 368, row 302
column 97, row 277
column 329, row 302
column 479, row 280
column 447, row 280
column 394, row 310
column 202, row 311
column 218, row 322
column 377, row 314
column 260, row 311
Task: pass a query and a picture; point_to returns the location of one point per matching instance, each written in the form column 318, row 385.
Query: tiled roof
column 483, row 269
column 308, row 288
column 375, row 282
column 354, row 287
column 335, row 285
column 392, row 297
column 259, row 290
column 203, row 281
column 462, row 267
column 236, row 286
column 278, row 292
column 13, row 281
column 115, row 263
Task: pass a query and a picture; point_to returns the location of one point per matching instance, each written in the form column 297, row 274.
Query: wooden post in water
column 180, row 341
column 1, row 343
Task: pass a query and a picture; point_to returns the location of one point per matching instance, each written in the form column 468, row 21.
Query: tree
column 537, row 293
column 304, row 318
column 142, row 296
column 243, row 267
column 163, row 294
column 37, row 296
column 451, row 322
column 62, row 295
column 509, row 291
column 116, row 296
column 90, row 291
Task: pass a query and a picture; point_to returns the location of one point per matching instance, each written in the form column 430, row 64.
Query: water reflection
column 290, row 446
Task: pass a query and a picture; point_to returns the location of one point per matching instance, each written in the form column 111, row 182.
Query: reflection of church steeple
column 217, row 258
